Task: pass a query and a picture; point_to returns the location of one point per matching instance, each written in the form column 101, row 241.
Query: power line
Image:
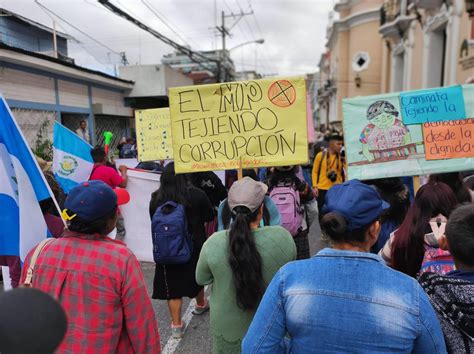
column 75, row 40
column 226, row 4
column 265, row 63
column 76, row 28
column 94, row 5
column 276, row 67
column 164, row 21
column 263, row 54
column 92, row 55
column 194, row 56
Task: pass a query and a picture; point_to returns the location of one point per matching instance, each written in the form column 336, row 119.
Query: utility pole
column 55, row 41
column 226, row 32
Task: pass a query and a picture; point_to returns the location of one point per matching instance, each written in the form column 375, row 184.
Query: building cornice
column 342, row 5
column 397, row 27
column 437, row 21
column 351, row 21
column 345, row 5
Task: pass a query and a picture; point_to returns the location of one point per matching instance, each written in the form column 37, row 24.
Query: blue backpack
column 172, row 243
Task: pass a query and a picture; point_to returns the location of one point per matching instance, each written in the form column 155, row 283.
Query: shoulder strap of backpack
column 34, row 258
column 320, row 164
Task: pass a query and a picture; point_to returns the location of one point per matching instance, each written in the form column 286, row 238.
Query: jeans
column 344, row 301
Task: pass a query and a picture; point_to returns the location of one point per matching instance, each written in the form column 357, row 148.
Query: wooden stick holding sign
column 416, row 184
column 240, row 171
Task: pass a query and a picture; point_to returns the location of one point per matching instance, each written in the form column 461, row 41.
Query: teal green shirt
column 229, row 323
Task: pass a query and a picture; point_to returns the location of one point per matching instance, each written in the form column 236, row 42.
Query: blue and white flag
column 22, row 186
column 72, row 161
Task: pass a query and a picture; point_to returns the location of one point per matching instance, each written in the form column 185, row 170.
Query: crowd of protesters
column 398, row 274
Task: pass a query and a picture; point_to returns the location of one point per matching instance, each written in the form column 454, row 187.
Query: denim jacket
column 343, row 301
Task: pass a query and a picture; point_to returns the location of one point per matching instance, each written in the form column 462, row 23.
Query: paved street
column 197, row 338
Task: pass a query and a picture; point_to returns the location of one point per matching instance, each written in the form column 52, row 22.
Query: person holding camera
column 328, row 168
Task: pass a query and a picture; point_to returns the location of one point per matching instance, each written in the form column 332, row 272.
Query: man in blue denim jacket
column 345, row 299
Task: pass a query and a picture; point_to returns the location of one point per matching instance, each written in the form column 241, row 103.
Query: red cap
column 123, row 197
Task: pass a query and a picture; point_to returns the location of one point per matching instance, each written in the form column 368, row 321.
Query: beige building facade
column 352, row 63
column 393, row 45
column 429, row 44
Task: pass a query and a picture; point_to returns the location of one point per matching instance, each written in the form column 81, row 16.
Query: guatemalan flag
column 22, row 186
column 72, row 161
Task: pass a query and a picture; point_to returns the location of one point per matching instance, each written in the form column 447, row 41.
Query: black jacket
column 453, row 300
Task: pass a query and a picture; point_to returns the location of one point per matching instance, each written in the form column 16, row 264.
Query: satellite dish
column 360, row 61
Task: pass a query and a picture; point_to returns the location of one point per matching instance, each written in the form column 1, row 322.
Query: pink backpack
column 287, row 200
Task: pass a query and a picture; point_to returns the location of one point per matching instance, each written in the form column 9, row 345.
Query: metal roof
column 5, row 12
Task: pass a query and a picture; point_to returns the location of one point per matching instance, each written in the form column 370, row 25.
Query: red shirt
column 100, row 285
column 107, row 175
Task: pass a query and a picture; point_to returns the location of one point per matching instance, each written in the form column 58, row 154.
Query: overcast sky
column 294, row 30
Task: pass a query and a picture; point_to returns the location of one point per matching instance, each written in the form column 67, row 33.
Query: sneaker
column 199, row 310
column 177, row 331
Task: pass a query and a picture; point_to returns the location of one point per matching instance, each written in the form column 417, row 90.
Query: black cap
column 335, row 136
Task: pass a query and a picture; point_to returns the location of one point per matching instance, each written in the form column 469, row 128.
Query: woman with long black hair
column 240, row 263
column 174, row 281
column 407, row 246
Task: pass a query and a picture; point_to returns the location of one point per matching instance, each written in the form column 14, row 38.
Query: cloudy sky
column 294, row 30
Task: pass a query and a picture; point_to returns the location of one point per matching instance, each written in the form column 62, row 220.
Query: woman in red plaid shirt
column 97, row 280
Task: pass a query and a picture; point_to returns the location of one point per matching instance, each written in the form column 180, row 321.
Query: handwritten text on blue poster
column 433, row 105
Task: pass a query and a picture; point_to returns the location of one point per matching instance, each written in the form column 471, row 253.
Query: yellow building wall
column 416, row 77
column 372, row 44
column 463, row 75
column 365, row 5
column 341, row 60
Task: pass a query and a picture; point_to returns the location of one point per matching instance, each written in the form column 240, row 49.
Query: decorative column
column 456, row 11
column 409, row 47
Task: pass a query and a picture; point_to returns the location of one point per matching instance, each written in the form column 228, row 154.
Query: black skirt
column 174, row 281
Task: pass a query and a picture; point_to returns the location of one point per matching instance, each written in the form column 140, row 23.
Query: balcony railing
column 392, row 9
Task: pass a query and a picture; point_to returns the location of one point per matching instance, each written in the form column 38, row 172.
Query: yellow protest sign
column 153, row 134
column 257, row 123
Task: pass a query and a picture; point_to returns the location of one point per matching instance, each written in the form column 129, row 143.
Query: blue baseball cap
column 359, row 203
column 92, row 200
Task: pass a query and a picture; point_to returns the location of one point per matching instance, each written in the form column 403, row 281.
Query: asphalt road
column 197, row 338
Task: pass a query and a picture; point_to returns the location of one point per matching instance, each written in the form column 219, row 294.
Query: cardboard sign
column 153, row 134
column 250, row 124
column 432, row 105
column 380, row 144
column 449, row 140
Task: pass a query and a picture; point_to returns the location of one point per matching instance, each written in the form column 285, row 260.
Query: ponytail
column 245, row 260
column 226, row 217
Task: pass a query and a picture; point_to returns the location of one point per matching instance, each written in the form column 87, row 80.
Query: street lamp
column 258, row 41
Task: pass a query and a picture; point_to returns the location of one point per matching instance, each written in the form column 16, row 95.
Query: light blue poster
column 433, row 105
column 379, row 144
